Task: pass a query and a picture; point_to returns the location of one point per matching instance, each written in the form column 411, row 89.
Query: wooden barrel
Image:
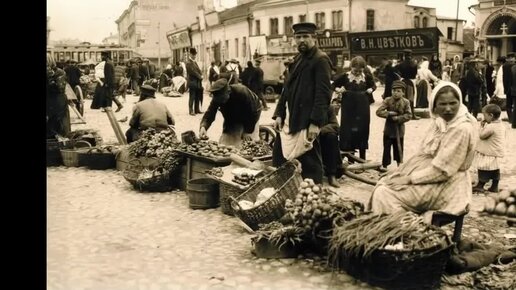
column 203, row 193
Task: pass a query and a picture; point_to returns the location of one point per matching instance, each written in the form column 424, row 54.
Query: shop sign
column 330, row 41
column 395, row 40
column 179, row 40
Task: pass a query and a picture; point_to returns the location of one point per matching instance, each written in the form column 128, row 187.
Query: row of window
column 320, row 21
column 418, row 23
column 237, row 48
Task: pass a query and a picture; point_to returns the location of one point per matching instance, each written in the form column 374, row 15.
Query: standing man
column 303, row 105
column 408, row 72
column 134, row 75
column 105, row 77
column 256, row 83
column 194, row 83
column 507, row 84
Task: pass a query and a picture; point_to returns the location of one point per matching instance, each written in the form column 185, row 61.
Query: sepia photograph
column 280, row 144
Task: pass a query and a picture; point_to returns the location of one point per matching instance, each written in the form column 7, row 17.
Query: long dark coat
column 103, row 96
column 307, row 91
column 58, row 116
column 355, row 113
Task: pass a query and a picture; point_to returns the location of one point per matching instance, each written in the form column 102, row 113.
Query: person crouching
column 148, row 113
column 241, row 109
column 396, row 111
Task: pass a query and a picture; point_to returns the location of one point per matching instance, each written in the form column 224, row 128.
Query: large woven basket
column 98, row 160
column 285, row 180
column 155, row 183
column 401, row 269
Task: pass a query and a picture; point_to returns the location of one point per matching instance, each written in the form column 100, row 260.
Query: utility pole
column 457, row 20
column 159, row 47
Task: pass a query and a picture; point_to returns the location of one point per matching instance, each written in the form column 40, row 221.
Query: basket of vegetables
column 397, row 251
column 502, row 205
column 156, row 178
column 264, row 201
column 277, row 241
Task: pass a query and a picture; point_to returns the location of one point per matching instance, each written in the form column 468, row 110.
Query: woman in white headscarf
column 424, row 75
column 436, row 178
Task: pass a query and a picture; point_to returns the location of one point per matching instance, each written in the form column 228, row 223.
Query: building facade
column 257, row 28
column 143, row 25
column 495, row 28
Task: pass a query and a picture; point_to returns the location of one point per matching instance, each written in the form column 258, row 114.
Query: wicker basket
column 154, row 183
column 227, row 191
column 285, row 180
column 54, row 151
column 71, row 156
column 409, row 269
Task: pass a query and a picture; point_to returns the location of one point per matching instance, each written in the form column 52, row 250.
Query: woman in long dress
column 355, row 87
column 437, row 177
column 424, row 89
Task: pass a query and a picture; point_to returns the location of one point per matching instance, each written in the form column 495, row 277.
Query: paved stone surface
column 101, row 234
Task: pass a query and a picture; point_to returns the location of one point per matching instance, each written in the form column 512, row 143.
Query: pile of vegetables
column 400, row 231
column 315, row 204
column 255, row 148
column 153, row 143
column 262, row 197
column 279, row 234
column 503, row 203
column 104, row 149
column 216, row 171
column 208, row 148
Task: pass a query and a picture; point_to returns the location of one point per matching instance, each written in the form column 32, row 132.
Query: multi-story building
column 495, row 27
column 143, row 24
column 345, row 29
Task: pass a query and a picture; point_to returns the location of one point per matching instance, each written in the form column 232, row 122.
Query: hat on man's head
column 148, row 90
column 193, row 50
column 233, row 60
column 219, row 85
column 399, row 85
column 407, row 50
column 304, row 27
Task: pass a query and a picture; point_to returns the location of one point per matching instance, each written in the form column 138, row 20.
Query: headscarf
column 441, row 126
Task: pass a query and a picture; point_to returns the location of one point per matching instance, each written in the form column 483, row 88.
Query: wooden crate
column 196, row 167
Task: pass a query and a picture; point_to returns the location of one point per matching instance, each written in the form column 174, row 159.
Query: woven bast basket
column 406, row 269
column 155, row 183
column 285, row 180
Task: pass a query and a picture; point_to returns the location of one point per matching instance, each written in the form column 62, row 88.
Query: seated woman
column 148, row 113
column 436, row 178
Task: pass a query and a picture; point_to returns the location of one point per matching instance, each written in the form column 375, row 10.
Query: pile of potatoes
column 503, row 203
column 208, row 148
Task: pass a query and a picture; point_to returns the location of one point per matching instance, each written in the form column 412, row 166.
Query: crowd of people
column 436, row 178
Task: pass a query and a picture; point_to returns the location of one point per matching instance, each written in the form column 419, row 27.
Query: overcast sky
column 93, row 20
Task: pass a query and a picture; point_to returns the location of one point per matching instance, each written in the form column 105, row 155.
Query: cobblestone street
column 102, row 234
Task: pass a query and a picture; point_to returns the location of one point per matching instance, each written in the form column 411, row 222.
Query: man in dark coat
column 256, row 83
column 507, row 84
column 408, row 71
column 332, row 160
column 58, row 115
column 390, row 76
column 475, row 83
column 194, row 84
column 490, row 84
column 303, row 105
column 240, row 108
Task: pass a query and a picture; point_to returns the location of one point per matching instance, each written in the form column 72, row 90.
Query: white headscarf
column 441, row 126
column 461, row 114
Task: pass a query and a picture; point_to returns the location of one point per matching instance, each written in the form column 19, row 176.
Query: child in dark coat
column 396, row 111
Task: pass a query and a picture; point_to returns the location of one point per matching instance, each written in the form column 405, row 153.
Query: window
column 288, row 21
column 274, row 26
column 257, row 24
column 302, row 18
column 336, row 20
column 370, row 20
column 237, row 47
column 449, row 34
column 226, row 49
column 425, row 22
column 244, row 47
column 320, row 20
column 416, row 21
